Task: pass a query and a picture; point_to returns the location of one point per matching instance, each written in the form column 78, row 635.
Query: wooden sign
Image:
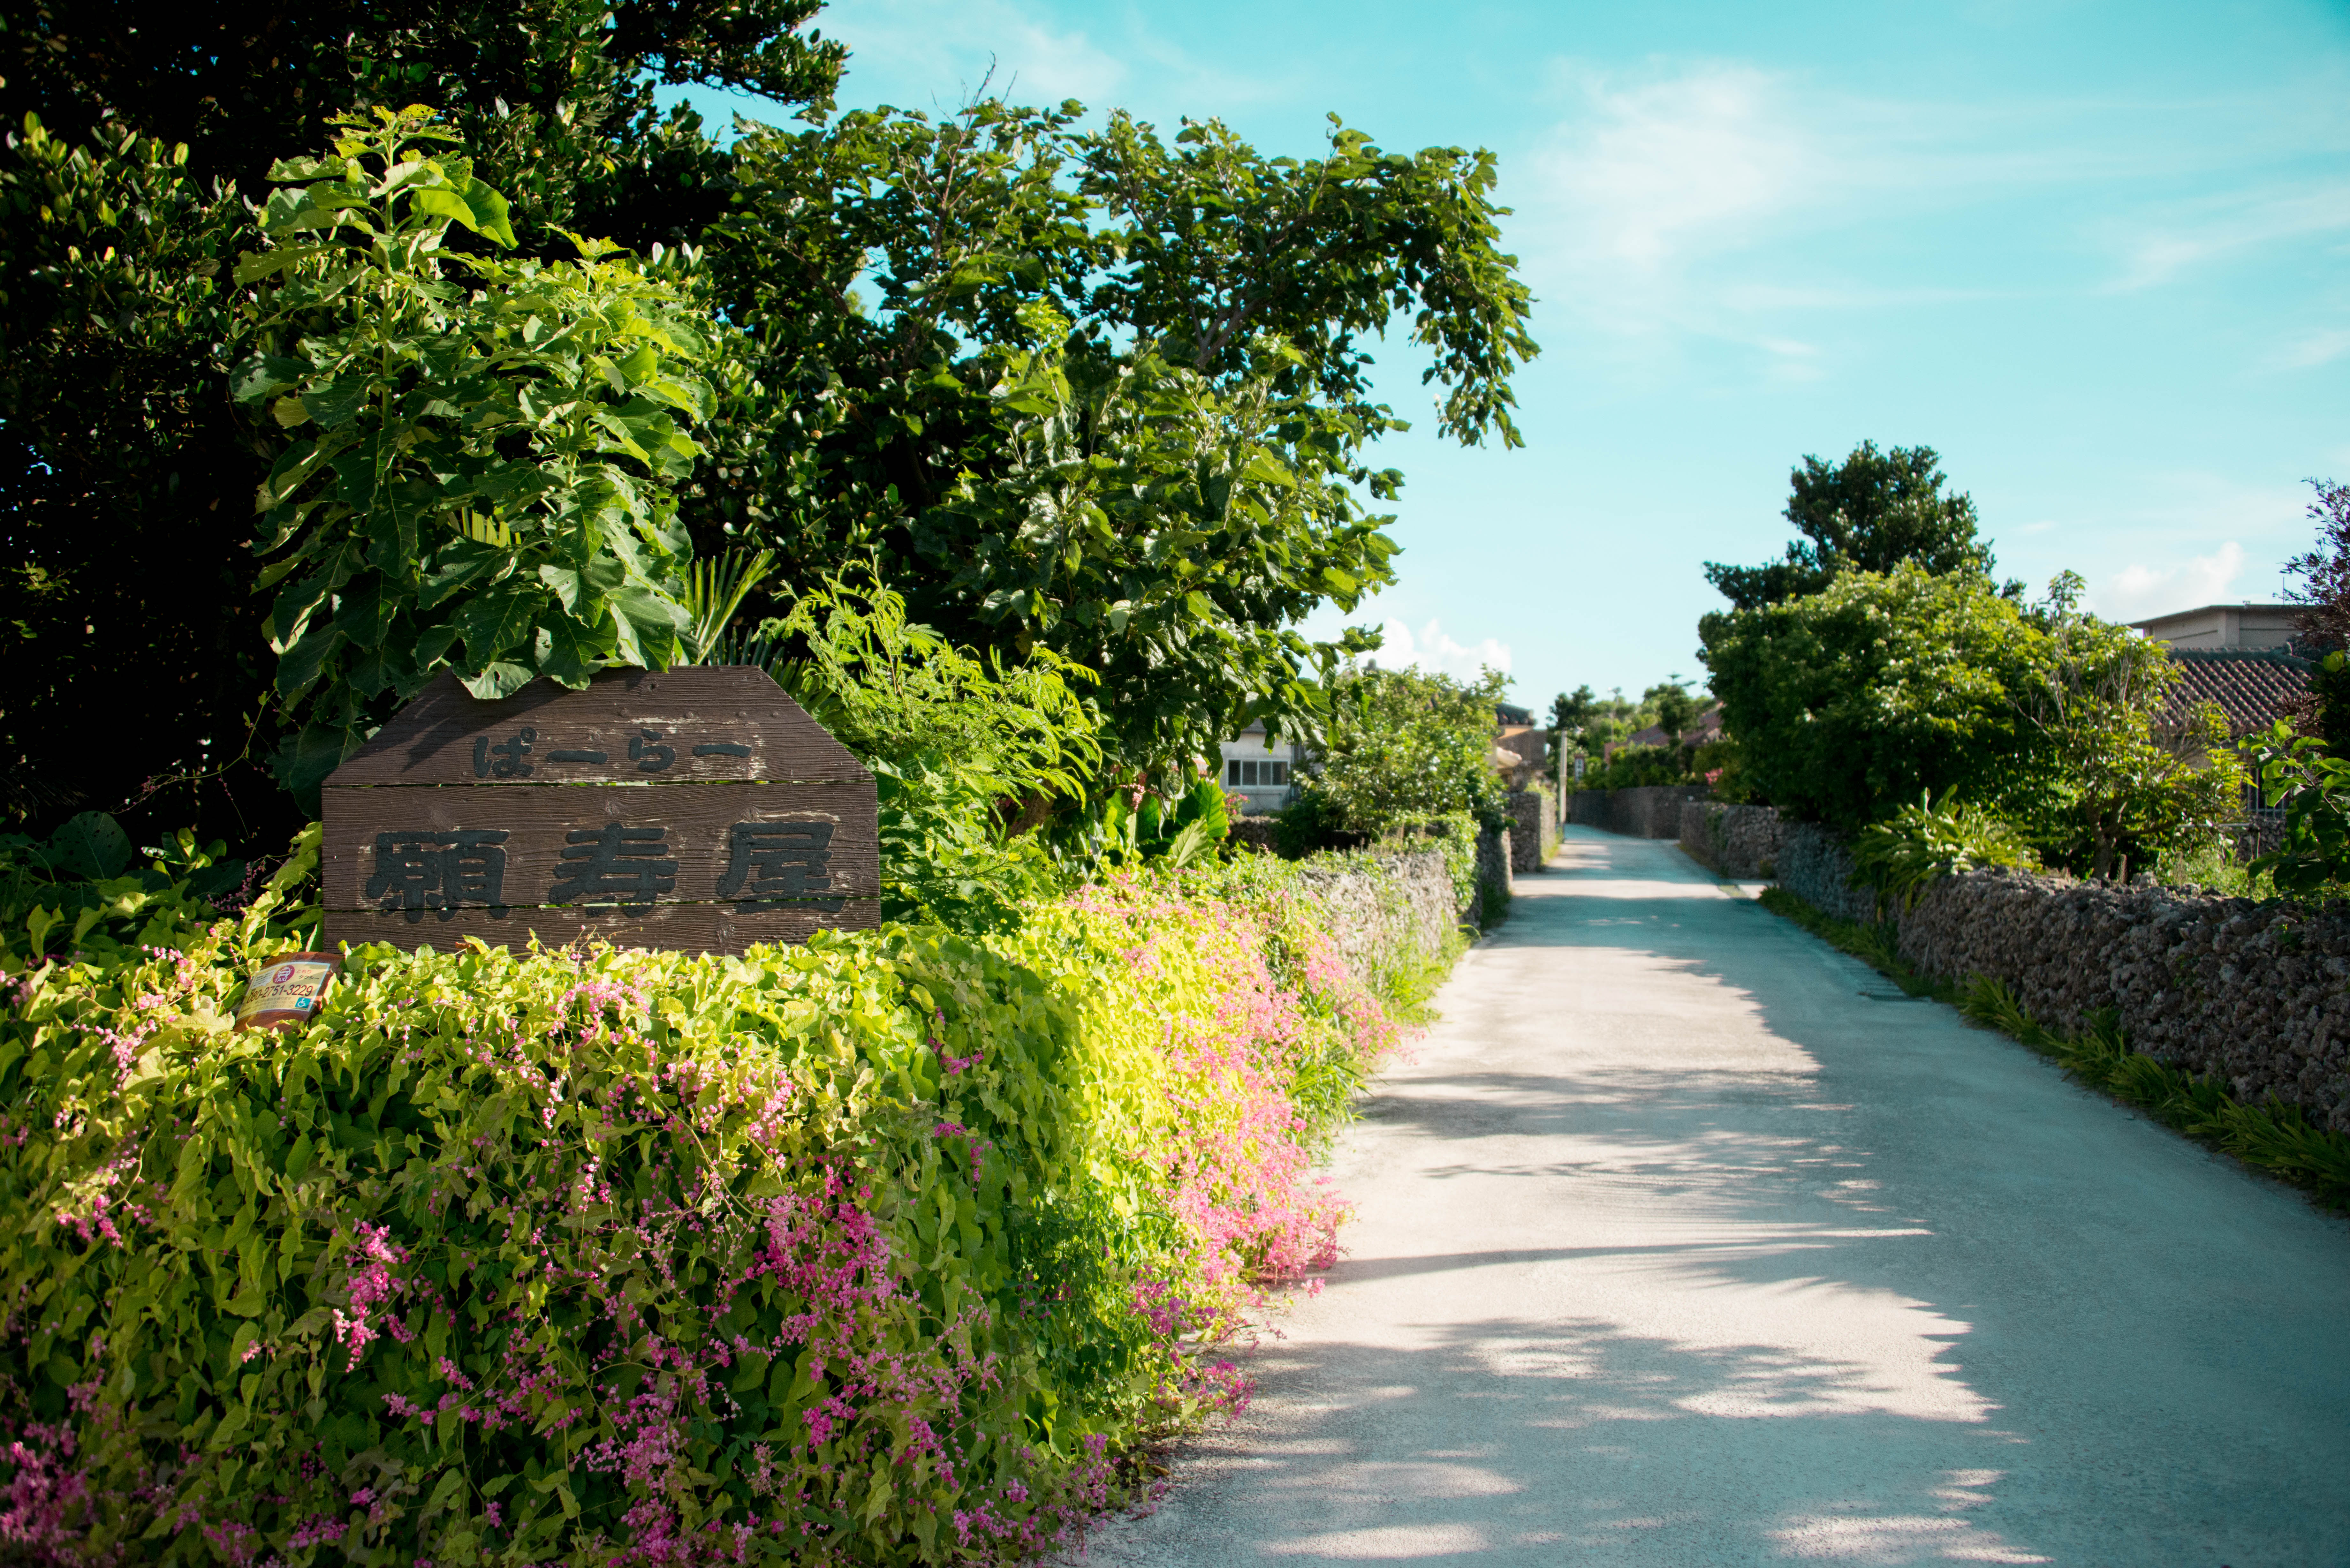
column 700, row 809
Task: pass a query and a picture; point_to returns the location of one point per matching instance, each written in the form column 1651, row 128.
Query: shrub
column 1901, row 855
column 1900, row 685
column 474, row 476
column 1637, row 767
column 1880, row 688
column 879, row 1248
column 2296, row 773
column 1405, row 747
column 956, row 743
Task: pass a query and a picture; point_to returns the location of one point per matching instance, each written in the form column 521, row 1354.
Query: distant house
column 2242, row 657
column 1708, row 727
column 1261, row 774
column 1519, row 744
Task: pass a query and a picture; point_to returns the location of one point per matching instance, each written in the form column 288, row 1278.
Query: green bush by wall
column 881, row 1250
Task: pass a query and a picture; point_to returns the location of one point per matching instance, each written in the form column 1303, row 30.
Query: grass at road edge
column 2275, row 1139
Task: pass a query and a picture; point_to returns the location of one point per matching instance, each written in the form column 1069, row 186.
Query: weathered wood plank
column 551, row 845
column 635, row 726
column 688, row 928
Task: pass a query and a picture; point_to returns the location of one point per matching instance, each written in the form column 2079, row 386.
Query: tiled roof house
column 2238, row 656
column 1707, row 727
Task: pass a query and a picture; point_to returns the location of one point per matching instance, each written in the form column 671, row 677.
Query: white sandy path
column 1678, row 1246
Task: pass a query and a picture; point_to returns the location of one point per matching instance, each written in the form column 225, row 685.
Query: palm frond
column 715, row 588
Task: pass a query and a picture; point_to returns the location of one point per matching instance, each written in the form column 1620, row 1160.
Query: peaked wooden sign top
column 700, row 809
column 695, row 725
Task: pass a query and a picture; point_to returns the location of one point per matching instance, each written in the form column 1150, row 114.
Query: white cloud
column 2137, row 591
column 1435, row 651
column 934, row 54
column 1705, row 200
column 1653, row 170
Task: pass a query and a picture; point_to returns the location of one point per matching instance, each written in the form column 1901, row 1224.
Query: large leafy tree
column 1848, row 702
column 1853, row 702
column 1871, row 512
column 477, row 454
column 1069, row 388
column 1109, row 395
column 1406, row 746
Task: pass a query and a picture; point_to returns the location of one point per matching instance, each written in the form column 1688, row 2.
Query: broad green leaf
column 334, row 406
column 499, row 680
column 498, row 620
column 298, row 668
column 491, row 213
column 90, row 845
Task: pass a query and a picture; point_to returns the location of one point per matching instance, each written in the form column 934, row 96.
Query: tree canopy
column 1871, row 512
column 1063, row 385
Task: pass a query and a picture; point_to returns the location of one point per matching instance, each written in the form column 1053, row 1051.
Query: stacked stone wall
column 1530, row 820
column 2254, row 992
column 1373, row 928
column 1740, row 841
column 1816, row 867
column 1652, row 811
column 2257, row 993
column 1494, row 882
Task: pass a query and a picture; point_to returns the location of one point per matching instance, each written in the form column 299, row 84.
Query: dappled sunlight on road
column 1677, row 1247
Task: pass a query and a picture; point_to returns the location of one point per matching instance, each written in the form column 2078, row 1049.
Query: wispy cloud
column 2170, row 242
column 1436, row 651
column 2312, row 350
column 1718, row 199
column 959, row 44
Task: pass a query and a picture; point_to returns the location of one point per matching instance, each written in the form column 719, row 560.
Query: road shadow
column 1677, row 1249
column 1513, row 1442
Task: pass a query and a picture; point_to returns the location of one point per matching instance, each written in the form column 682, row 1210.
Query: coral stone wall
column 1814, row 866
column 1652, row 811
column 2258, row 993
column 1529, row 816
column 1494, row 879
column 1371, row 928
column 1741, row 842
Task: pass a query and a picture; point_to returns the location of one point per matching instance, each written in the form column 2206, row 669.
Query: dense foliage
column 1871, row 512
column 134, row 136
column 2300, row 775
column 2324, row 570
column 1884, row 688
column 1923, row 840
column 1407, row 746
column 478, row 455
column 1086, row 390
column 880, row 1249
column 1876, row 689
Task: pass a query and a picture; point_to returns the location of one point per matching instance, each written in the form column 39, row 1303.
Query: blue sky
column 2094, row 254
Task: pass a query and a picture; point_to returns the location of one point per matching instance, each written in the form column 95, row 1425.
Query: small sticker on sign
column 284, row 995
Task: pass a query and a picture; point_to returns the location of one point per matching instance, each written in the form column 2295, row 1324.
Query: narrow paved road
column 1680, row 1244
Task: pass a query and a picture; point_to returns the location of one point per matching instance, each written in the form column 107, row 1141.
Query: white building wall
column 2225, row 626
column 1263, row 775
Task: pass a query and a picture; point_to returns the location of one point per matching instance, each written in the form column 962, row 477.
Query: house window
column 1242, row 772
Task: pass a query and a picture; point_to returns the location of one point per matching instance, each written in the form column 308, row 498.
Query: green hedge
column 881, row 1250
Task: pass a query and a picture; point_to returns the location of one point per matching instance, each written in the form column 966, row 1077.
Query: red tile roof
column 1707, row 728
column 2248, row 684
